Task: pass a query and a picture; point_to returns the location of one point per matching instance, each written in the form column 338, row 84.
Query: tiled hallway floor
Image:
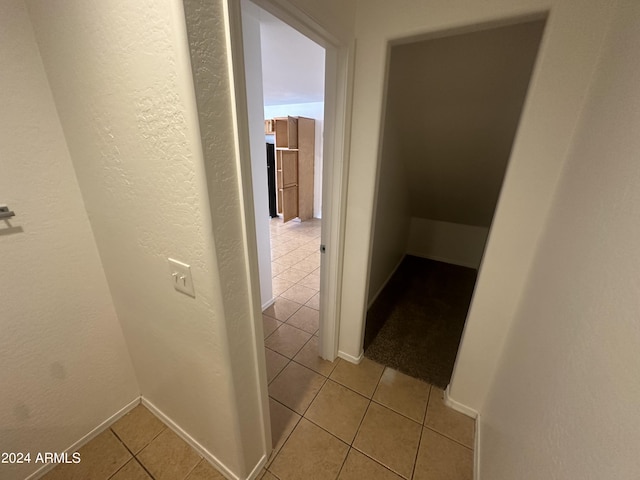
column 137, row 447
column 339, row 420
column 329, row 420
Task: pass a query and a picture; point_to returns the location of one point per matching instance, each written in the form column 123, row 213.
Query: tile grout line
column 448, row 437
column 133, row 455
column 415, row 459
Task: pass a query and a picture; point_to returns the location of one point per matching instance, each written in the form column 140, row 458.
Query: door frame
column 338, row 71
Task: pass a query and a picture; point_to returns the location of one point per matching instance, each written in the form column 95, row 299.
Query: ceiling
column 292, row 65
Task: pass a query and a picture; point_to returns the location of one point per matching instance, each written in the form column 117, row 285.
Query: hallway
column 339, row 420
column 329, row 420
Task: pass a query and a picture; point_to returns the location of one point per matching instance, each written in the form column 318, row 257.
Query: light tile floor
column 329, row 420
column 137, row 447
column 338, row 420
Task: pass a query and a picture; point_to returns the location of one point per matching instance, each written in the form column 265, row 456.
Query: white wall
column 457, row 101
column 392, row 210
column 253, row 65
column 123, row 86
column 65, row 366
column 565, row 63
column 313, row 110
column 292, row 64
column 447, row 242
column 567, row 389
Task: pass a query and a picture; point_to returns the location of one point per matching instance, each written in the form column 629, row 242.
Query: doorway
column 300, row 340
column 453, row 105
column 329, row 184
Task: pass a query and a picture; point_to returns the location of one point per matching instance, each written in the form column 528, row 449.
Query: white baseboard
column 375, row 297
column 88, row 437
column 208, row 456
column 351, row 358
column 476, row 452
column 459, row 407
column 437, row 258
column 268, row 303
column 469, row 412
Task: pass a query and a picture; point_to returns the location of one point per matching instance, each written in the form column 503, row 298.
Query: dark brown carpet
column 416, row 322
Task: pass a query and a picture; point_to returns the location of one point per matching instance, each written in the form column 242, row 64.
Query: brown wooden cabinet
column 295, row 151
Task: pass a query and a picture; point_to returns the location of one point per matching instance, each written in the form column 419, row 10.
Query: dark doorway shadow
column 416, row 323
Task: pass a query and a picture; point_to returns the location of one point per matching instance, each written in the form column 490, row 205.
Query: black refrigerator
column 271, row 179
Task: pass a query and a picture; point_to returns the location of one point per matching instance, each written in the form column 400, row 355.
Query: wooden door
column 306, row 154
column 287, row 179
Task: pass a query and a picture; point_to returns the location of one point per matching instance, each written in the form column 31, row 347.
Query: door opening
column 453, row 105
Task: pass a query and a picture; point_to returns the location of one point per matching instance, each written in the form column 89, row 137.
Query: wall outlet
column 181, row 277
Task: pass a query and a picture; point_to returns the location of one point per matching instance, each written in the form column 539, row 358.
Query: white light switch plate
column 181, row 277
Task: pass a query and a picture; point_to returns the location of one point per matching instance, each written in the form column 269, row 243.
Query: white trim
column 88, row 437
column 375, row 297
column 351, row 358
column 476, row 451
column 268, row 303
column 459, row 407
column 470, row 412
column 445, row 260
column 208, row 456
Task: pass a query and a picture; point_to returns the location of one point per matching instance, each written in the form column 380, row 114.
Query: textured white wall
column 122, row 82
column 567, row 390
column 65, row 366
column 313, row 110
column 566, row 60
column 447, row 242
column 253, row 66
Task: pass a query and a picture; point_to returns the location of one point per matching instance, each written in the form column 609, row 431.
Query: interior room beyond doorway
column 453, row 108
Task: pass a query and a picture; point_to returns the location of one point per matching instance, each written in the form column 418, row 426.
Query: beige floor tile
column 312, row 281
column 403, row 394
column 306, row 319
column 287, row 340
column 278, row 250
column 131, row 471
column 283, row 421
column 298, row 293
column 269, row 476
column 338, row 410
column 296, row 387
column 137, row 428
column 290, row 259
column 310, row 247
column 270, row 325
column 447, row 421
column 275, row 363
column 360, row 467
column 292, row 275
column 314, row 302
column 363, row 378
column 389, row 438
column 204, row 471
column 277, row 269
column 310, row 358
column 442, row 459
column 279, row 285
column 282, row 309
column 168, row 457
column 100, row 459
column 307, row 265
column 310, row 454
